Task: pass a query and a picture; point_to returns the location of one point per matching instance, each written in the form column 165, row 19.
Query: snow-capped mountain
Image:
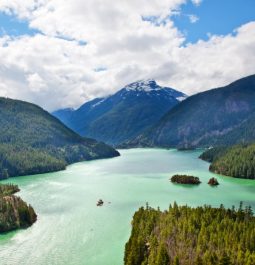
column 143, row 85
column 123, row 115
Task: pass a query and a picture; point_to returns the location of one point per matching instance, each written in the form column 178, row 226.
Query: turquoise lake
column 72, row 230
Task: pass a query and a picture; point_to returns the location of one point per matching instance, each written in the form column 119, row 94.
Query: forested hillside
column 192, row 236
column 236, row 161
column 32, row 141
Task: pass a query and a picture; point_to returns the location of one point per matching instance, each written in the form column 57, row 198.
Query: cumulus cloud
column 213, row 63
column 129, row 40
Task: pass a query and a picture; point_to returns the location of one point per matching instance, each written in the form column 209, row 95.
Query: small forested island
column 194, row 236
column 14, row 212
column 185, row 179
column 236, row 161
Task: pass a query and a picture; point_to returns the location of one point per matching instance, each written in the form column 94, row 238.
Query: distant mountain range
column 219, row 116
column 124, row 115
column 33, row 141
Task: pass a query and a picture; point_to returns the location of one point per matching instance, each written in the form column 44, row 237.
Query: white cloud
column 197, row 2
column 193, row 18
column 36, row 83
column 53, row 70
column 213, row 63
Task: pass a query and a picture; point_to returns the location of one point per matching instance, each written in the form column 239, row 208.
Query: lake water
column 72, row 230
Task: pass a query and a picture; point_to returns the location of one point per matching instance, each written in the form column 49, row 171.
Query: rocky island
column 185, row 179
column 14, row 212
column 213, row 182
column 100, row 202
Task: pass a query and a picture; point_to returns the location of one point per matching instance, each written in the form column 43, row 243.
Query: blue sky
column 10, row 25
column 217, row 17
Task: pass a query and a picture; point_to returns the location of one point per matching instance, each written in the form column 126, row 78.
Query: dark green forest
column 192, row 236
column 32, row 141
column 14, row 212
column 236, row 161
column 185, row 179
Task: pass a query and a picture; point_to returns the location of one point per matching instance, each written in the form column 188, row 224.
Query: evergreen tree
column 176, row 261
column 225, row 260
column 162, row 257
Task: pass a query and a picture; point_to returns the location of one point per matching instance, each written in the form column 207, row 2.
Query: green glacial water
column 72, row 230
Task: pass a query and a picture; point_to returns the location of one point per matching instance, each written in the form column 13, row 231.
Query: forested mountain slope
column 33, row 141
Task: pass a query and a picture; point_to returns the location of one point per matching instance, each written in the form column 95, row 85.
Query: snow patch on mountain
column 151, row 88
column 143, row 85
column 181, row 98
column 98, row 103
